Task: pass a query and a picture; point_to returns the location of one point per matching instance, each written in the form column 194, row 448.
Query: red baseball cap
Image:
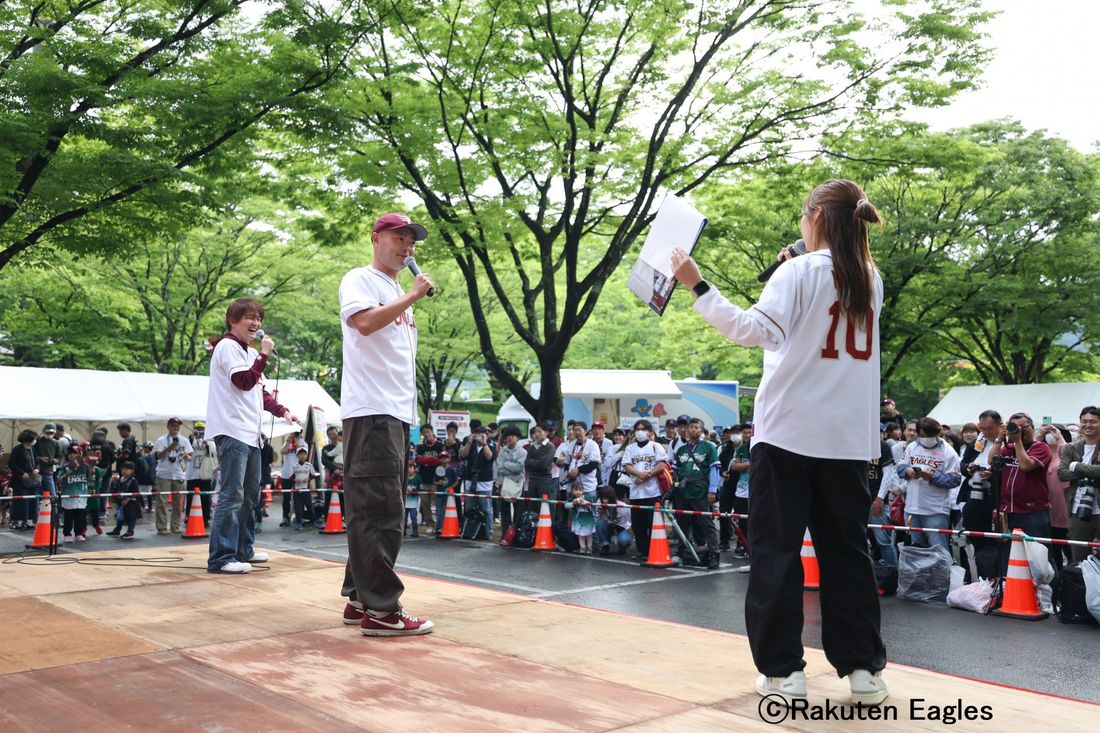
column 598, row 424
column 397, row 220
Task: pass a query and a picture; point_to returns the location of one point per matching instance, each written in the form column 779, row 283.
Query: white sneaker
column 258, row 557
column 867, row 688
column 235, row 567
column 789, row 688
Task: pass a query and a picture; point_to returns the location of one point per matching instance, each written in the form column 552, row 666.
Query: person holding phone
column 932, row 470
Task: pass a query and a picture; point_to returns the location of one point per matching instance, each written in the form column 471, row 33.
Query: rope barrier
column 1004, row 536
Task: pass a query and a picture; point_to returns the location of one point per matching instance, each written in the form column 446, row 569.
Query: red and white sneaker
column 398, row 623
column 352, row 615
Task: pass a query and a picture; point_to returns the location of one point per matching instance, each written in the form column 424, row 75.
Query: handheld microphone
column 798, row 248
column 415, row 270
column 260, row 333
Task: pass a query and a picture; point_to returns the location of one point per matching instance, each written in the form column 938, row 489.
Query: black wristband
column 700, row 289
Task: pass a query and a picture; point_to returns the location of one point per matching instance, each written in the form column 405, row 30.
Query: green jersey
column 693, row 462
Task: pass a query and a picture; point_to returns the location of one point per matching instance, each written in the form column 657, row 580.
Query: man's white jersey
column 819, row 395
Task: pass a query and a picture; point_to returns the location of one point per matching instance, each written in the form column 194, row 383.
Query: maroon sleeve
column 272, row 406
column 245, row 381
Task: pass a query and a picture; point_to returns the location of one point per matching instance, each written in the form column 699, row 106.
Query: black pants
column 725, row 505
column 701, row 525
column 203, row 485
column 74, row 521
column 977, row 516
column 741, row 506
column 788, row 492
column 509, row 513
column 641, row 521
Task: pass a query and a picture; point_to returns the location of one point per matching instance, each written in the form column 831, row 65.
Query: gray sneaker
column 791, row 687
column 867, row 688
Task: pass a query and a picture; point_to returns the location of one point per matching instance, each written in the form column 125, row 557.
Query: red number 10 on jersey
column 830, row 350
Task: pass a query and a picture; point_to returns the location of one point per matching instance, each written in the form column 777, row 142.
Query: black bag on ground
column 1068, row 592
column 924, row 574
column 886, row 578
column 526, row 528
column 473, row 522
column 563, row 535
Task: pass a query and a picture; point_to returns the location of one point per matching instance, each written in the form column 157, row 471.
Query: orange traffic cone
column 267, row 495
column 544, row 534
column 334, row 522
column 195, row 528
column 1019, row 599
column 42, row 530
column 811, row 577
column 450, row 528
column 659, row 554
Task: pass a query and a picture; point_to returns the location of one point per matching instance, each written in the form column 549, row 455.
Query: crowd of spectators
column 992, row 475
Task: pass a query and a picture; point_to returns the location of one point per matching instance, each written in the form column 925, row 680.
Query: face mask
column 1050, row 439
column 736, row 440
column 1073, row 436
column 641, row 435
column 928, row 442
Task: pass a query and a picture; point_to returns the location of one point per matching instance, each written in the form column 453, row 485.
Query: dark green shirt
column 693, row 462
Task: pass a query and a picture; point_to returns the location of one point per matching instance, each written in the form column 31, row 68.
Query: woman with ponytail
column 817, row 321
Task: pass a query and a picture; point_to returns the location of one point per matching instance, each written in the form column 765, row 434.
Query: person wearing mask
column 642, row 459
column 817, row 320
column 1055, row 437
column 931, row 468
column 1024, row 497
column 1080, row 467
column 699, row 475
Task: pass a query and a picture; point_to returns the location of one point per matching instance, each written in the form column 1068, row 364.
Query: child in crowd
column 73, row 485
column 445, row 478
column 129, row 509
column 99, row 481
column 412, row 502
column 304, row 475
column 583, row 519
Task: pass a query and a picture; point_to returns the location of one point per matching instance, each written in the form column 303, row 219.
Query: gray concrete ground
column 1046, row 656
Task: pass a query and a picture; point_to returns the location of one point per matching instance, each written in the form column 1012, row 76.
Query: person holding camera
column 1024, row 497
column 1080, row 466
column 979, row 495
column 172, row 454
column 479, row 451
column 817, row 321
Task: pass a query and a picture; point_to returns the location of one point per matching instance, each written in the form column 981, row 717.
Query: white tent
column 1062, row 402
column 84, row 399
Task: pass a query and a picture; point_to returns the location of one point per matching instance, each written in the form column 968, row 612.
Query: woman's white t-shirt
column 231, row 410
column 644, row 458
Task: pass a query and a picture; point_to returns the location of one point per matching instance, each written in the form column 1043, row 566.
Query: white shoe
column 235, row 567
column 258, row 557
column 867, row 688
column 791, row 687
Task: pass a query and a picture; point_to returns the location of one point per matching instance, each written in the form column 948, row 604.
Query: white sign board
column 439, row 419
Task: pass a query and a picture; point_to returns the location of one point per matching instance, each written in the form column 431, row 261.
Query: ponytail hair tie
column 862, row 201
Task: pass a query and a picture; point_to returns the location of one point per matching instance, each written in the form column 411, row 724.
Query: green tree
column 115, row 108
column 541, row 137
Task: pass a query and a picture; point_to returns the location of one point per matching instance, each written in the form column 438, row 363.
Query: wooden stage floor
column 102, row 646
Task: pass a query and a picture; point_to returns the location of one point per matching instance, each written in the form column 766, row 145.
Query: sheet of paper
column 677, row 224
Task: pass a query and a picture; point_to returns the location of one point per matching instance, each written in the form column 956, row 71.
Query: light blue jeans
column 884, row 538
column 233, row 527
column 930, row 539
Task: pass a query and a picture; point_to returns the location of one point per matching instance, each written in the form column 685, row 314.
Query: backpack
column 473, row 521
column 526, row 528
column 563, row 535
column 1069, row 596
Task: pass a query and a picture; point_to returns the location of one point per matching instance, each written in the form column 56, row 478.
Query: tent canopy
column 85, row 397
column 653, row 383
column 1062, row 402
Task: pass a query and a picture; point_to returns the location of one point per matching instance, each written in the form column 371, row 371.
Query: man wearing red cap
column 378, row 405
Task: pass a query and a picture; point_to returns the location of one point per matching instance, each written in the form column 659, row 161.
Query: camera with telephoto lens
column 977, row 492
column 1012, row 427
column 1088, row 498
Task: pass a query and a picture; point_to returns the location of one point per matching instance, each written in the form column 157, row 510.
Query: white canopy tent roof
column 1062, row 402
column 82, row 399
column 653, row 383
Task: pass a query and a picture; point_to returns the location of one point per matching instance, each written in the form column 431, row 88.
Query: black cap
column 481, row 429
